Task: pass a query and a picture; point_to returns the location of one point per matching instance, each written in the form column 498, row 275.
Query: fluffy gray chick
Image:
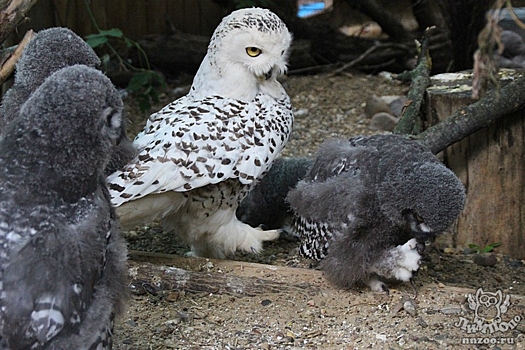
column 62, row 260
column 266, row 204
column 367, row 204
column 50, row 50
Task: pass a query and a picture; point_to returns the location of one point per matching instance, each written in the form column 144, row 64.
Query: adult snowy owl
column 367, row 205
column 200, row 155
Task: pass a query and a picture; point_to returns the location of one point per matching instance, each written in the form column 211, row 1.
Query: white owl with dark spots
column 200, row 155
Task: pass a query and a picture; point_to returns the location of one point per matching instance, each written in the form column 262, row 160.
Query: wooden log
column 490, row 163
column 165, row 273
column 157, row 273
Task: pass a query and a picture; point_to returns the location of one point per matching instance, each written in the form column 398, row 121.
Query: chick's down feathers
column 50, row 50
column 62, row 261
column 368, row 203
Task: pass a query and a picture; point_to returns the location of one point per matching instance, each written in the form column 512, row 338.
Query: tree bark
column 12, row 13
column 410, row 122
column 471, row 118
column 196, row 275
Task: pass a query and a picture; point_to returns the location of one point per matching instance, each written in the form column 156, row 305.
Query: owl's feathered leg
column 399, row 262
column 221, row 234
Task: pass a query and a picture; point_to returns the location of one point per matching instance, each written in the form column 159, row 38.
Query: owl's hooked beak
column 266, row 75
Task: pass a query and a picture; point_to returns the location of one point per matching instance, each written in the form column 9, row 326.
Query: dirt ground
column 274, row 300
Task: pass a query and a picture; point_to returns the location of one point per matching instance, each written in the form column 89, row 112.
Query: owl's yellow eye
column 253, row 51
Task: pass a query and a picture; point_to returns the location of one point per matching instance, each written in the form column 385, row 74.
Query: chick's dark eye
column 253, row 51
column 418, row 217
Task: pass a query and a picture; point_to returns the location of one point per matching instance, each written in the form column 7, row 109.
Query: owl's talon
column 413, row 284
column 385, row 289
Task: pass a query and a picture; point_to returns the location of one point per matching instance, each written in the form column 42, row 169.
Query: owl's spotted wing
column 186, row 146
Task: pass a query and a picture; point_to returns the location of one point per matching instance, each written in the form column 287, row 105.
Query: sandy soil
column 274, row 300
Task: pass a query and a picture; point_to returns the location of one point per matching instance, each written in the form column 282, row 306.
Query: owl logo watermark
column 488, row 309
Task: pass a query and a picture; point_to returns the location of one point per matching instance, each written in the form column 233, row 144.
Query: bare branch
column 9, row 65
column 12, row 14
column 420, row 77
column 475, row 116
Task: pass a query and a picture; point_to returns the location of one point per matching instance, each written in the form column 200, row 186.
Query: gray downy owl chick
column 62, row 260
column 50, row 50
column 368, row 203
column 266, row 204
column 200, row 155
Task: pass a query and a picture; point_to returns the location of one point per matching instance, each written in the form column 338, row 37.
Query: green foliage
column 102, row 37
column 488, row 248
column 144, row 82
column 144, row 85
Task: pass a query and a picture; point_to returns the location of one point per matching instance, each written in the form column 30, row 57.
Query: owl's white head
column 247, row 52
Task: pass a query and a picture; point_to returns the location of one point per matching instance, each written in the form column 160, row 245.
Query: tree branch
column 8, row 65
column 12, row 13
column 475, row 116
column 420, row 76
column 195, row 275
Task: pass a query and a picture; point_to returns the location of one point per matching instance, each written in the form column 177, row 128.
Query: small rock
column 397, row 105
column 266, row 302
column 300, row 112
column 485, row 259
column 410, row 307
column 513, row 263
column 449, row 250
column 468, row 251
column 131, row 234
column 381, row 337
column 383, row 121
column 451, row 309
column 172, row 296
column 422, row 323
column 438, row 267
column 374, row 105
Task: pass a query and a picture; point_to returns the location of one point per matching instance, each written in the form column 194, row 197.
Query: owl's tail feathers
column 227, row 234
column 146, row 209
